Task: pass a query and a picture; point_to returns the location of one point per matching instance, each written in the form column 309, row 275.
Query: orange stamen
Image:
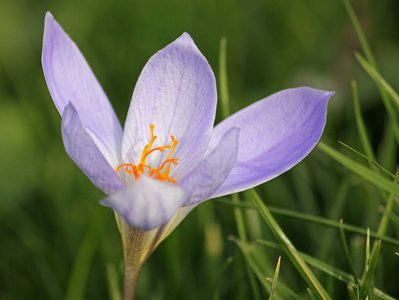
column 138, row 170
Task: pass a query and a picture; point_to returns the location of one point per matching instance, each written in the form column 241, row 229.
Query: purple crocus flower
column 169, row 157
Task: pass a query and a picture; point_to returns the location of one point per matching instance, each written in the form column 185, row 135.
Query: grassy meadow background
column 57, row 242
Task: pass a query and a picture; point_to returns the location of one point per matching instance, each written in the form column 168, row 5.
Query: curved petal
column 276, row 133
column 70, row 79
column 204, row 180
column 81, row 148
column 147, row 203
column 176, row 91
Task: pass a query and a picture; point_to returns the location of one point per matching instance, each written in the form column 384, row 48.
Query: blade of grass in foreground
column 388, row 95
column 113, row 286
column 224, row 99
column 289, row 248
column 348, row 257
column 314, row 219
column 371, row 60
column 364, row 138
column 283, row 287
column 378, row 79
column 245, row 249
column 84, row 258
column 366, row 287
column 328, row 269
column 361, row 170
column 371, row 161
column 275, row 278
column 359, row 32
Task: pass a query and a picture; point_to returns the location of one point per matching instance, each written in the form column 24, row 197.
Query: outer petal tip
column 48, row 18
column 276, row 133
column 185, row 37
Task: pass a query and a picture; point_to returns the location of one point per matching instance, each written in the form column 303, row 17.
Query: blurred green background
column 56, row 240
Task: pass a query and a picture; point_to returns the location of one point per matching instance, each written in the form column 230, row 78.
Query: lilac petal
column 70, row 80
column 176, row 91
column 81, row 148
column 147, row 203
column 205, row 179
column 276, row 133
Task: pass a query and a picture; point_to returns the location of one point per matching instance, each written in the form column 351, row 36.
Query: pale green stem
column 138, row 244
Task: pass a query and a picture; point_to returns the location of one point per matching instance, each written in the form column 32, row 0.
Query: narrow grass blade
column 275, row 278
column 289, row 248
column 351, row 293
column 311, row 294
column 367, row 256
column 223, row 86
column 225, row 105
column 359, row 32
column 284, row 288
column 366, row 286
column 364, row 138
column 242, row 233
column 346, row 249
column 222, row 270
column 361, row 170
column 330, row 270
column 378, row 79
column 316, row 220
column 371, row 161
column 245, row 249
column 84, row 258
column 388, row 95
column 113, row 286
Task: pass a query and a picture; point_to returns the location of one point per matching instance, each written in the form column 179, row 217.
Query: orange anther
column 154, row 173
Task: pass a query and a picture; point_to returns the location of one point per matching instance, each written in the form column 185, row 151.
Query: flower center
column 161, row 173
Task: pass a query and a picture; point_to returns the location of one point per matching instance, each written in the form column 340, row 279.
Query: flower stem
column 134, row 244
column 138, row 244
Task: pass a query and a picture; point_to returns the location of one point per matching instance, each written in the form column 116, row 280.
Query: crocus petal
column 176, row 91
column 147, row 203
column 81, row 148
column 204, row 180
column 70, row 80
column 276, row 133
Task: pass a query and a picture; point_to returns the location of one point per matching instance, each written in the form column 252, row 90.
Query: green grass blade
column 371, row 161
column 367, row 256
column 378, row 79
column 84, row 258
column 384, row 89
column 311, row 294
column 222, row 271
column 275, row 278
column 289, row 248
column 328, row 269
column 316, row 220
column 351, row 293
column 223, row 85
column 346, row 249
column 284, row 288
column 242, row 233
column 113, row 286
column 360, row 33
column 368, row 278
column 245, row 249
column 361, row 170
column 225, row 105
column 360, row 124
